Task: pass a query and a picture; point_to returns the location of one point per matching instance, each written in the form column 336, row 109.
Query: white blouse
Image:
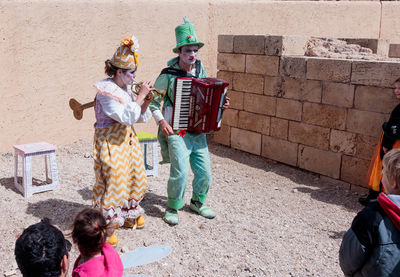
column 114, row 104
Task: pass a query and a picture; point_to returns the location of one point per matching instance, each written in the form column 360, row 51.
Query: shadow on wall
column 310, row 183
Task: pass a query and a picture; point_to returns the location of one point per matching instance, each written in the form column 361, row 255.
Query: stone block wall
column 394, row 50
column 319, row 114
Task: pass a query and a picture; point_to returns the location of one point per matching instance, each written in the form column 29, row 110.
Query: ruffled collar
column 108, row 85
column 109, row 88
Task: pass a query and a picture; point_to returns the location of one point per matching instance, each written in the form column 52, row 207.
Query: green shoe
column 171, row 216
column 201, row 209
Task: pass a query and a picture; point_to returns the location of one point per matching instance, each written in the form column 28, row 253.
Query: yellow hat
column 126, row 56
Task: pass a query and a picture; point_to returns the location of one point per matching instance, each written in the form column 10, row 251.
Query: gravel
column 272, row 219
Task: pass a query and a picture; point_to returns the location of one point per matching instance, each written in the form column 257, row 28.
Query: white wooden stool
column 146, row 139
column 27, row 151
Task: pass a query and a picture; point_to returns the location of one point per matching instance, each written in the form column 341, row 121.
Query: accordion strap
column 182, row 73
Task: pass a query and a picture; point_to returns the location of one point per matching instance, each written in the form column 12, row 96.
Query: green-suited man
column 182, row 149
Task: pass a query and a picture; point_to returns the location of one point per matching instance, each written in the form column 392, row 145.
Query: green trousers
column 190, row 150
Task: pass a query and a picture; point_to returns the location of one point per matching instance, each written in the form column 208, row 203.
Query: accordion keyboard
column 182, row 103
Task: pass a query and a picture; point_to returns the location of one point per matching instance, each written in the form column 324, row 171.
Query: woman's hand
column 166, row 129
column 145, row 88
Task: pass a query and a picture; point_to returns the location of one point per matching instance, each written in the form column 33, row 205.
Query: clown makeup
column 128, row 76
column 188, row 54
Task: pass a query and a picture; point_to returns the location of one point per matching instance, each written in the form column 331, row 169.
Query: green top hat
column 186, row 35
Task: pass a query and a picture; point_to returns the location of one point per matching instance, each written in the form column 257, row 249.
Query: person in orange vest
column 390, row 139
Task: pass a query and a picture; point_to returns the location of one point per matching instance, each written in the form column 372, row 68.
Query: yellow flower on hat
column 131, row 42
column 127, row 41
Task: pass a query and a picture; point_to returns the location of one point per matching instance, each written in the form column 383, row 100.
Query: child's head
column 391, row 171
column 90, row 231
column 42, row 250
column 397, row 88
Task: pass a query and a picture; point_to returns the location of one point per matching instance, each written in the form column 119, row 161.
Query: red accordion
column 198, row 104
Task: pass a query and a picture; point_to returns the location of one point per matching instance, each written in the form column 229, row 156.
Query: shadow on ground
column 86, row 193
column 154, row 204
column 60, row 212
column 8, row 183
column 329, row 192
column 336, row 235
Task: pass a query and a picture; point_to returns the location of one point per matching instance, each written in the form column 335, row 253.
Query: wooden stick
column 78, row 107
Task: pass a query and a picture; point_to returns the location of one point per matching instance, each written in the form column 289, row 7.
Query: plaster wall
column 51, row 50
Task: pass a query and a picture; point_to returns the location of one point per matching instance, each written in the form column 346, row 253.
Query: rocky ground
column 272, row 219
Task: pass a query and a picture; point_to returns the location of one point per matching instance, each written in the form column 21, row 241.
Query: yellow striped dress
column 118, row 160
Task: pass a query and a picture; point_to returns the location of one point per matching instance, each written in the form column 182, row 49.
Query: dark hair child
column 97, row 257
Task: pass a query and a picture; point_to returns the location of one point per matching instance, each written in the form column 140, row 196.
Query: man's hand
column 384, row 149
column 226, row 105
column 166, row 129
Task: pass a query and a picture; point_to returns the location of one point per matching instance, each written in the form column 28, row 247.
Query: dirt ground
column 272, row 219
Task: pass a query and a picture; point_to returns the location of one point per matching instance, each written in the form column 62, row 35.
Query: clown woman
column 118, row 161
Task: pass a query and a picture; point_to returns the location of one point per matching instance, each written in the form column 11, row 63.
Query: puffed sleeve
column 123, row 113
column 144, row 117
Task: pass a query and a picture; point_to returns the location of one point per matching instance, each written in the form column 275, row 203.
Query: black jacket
column 391, row 129
column 371, row 247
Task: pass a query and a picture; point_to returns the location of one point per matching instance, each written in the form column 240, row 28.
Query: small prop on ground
column 144, row 255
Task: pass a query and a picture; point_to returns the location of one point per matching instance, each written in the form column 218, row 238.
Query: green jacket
column 167, row 82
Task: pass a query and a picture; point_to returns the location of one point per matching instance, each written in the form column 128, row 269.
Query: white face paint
column 188, row 54
column 128, row 77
